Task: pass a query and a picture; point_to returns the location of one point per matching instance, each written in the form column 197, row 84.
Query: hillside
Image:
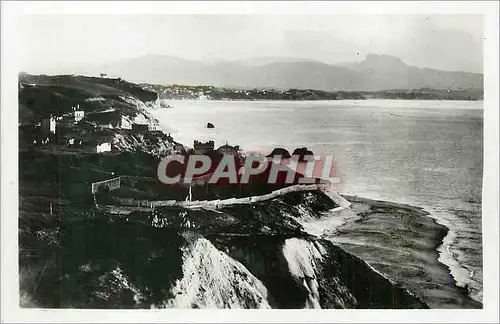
column 42, row 95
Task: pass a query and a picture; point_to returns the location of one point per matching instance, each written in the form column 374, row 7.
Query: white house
column 103, row 147
column 154, row 125
column 49, row 124
column 79, row 114
column 201, row 96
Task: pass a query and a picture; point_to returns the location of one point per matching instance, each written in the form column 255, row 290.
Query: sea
column 424, row 153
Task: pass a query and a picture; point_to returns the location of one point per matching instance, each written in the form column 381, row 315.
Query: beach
column 401, row 242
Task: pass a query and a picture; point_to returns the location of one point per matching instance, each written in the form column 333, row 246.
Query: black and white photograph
column 252, row 160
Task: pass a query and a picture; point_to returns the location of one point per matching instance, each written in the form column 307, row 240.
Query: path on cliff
column 149, row 205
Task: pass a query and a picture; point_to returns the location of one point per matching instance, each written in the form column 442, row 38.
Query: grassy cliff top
column 43, row 95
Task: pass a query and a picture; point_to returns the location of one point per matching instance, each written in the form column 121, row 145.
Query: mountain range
column 375, row 72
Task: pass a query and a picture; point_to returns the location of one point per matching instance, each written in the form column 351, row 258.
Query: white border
column 10, row 311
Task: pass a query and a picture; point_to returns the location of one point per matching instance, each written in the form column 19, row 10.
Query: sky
column 446, row 42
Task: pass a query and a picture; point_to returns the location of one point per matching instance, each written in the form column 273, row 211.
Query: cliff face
column 254, row 256
column 212, row 279
column 157, row 144
column 298, row 269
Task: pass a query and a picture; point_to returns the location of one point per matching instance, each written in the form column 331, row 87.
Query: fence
column 339, row 200
column 110, row 184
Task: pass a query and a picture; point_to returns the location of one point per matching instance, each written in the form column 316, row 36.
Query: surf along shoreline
column 405, row 243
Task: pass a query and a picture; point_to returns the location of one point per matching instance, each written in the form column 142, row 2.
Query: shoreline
column 437, row 291
column 305, row 100
column 209, row 92
column 319, row 100
column 449, row 259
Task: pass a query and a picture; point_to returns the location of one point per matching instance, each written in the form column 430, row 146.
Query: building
column 46, row 140
column 73, row 142
column 201, row 96
column 179, row 148
column 202, row 148
column 103, row 147
column 49, row 125
column 41, row 139
column 228, row 149
column 79, row 114
column 154, row 125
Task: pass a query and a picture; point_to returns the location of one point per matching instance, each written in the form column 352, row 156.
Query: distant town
column 205, row 92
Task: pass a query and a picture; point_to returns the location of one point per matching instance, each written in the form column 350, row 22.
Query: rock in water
column 210, row 125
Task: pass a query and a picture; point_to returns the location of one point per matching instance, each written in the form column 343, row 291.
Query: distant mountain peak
column 375, row 72
column 384, row 57
column 264, row 60
column 382, row 61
